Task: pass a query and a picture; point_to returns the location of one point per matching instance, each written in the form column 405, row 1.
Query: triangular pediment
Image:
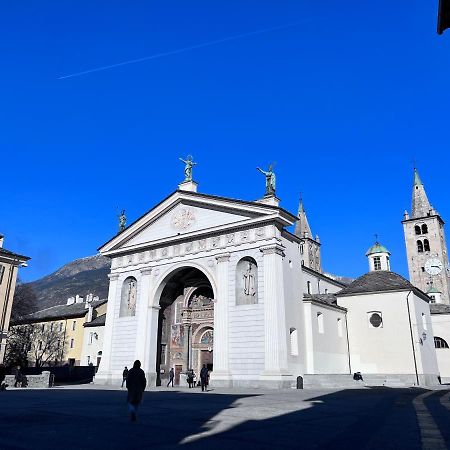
column 188, row 214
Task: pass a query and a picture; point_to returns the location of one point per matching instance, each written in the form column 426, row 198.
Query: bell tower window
column 417, row 230
column 426, row 245
column 377, row 262
column 419, row 247
column 424, row 229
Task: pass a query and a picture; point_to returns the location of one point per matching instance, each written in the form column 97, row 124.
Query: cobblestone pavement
column 90, row 417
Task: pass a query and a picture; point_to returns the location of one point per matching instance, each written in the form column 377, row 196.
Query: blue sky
column 343, row 100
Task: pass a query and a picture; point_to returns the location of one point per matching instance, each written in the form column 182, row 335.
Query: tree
column 41, row 344
column 24, row 302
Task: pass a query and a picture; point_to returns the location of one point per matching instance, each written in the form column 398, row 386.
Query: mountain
column 82, row 276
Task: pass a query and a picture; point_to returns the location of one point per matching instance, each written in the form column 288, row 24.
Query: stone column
column 221, row 375
column 104, row 374
column 141, row 352
column 275, row 347
column 151, row 344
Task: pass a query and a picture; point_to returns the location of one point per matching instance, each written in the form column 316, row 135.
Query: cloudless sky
column 343, row 100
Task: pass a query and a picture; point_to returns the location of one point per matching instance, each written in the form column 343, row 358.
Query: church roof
column 324, row 299
column 302, row 228
column 437, row 308
column 381, row 281
column 99, row 321
column 420, row 205
column 377, row 248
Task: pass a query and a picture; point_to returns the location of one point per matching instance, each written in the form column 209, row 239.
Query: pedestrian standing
column 136, row 383
column 2, row 377
column 171, row 377
column 204, row 378
column 190, row 378
column 17, row 376
column 124, row 375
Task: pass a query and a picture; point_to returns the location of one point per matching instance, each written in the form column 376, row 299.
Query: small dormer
column 378, row 256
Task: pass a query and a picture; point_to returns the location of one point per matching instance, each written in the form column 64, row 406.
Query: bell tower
column 426, row 248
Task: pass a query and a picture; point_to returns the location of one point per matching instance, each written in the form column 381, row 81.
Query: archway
column 186, row 303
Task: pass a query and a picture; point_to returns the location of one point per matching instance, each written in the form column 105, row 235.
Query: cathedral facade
column 202, row 280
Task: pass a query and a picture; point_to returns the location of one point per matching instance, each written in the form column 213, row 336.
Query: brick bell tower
column 426, row 248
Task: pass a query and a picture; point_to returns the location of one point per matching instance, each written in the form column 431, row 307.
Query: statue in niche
column 270, row 180
column 122, row 220
column 131, row 298
column 249, row 281
column 188, row 165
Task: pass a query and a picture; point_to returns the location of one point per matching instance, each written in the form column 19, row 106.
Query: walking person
column 171, row 377
column 204, row 378
column 17, row 376
column 124, row 375
column 2, row 377
column 135, row 383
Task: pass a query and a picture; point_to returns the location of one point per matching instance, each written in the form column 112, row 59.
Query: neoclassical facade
column 208, row 280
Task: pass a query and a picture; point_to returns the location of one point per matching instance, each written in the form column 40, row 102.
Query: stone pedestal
column 190, row 186
column 271, row 200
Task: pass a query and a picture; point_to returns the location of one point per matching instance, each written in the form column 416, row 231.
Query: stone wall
column 34, row 381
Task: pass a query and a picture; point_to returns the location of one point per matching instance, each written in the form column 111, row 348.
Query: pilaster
column 221, row 366
column 142, row 315
column 276, row 365
column 104, row 371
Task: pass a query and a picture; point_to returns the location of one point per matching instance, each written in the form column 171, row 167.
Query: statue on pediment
column 122, row 221
column 188, row 165
column 270, row 180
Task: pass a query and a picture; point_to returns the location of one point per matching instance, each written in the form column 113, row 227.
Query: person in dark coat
column 171, row 376
column 124, row 375
column 2, row 377
column 136, row 383
column 17, row 376
column 204, row 378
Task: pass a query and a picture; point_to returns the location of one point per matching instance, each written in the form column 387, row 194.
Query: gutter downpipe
column 412, row 338
column 348, row 345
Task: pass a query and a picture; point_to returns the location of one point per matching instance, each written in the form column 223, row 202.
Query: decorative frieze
column 196, row 246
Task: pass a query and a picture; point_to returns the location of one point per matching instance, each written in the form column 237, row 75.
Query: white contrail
column 179, row 50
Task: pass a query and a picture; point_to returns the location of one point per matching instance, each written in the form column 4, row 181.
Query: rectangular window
column 91, row 336
column 308, row 287
column 61, row 326
column 43, row 327
column 74, row 324
column 51, row 326
column 377, row 262
column 72, row 341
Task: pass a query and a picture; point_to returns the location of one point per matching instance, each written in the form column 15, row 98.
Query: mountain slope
column 82, row 276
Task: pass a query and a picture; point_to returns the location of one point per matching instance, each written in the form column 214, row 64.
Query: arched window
column 424, row 229
column 128, row 298
column 440, row 343
column 294, row 341
column 246, row 282
column 339, row 327
column 320, row 327
column 419, row 246
column 424, row 321
column 426, row 245
column 417, row 229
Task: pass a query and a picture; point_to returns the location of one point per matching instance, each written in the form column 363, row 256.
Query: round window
column 376, row 320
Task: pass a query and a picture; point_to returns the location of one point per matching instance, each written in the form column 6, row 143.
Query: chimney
column 79, row 299
column 70, row 301
column 90, row 313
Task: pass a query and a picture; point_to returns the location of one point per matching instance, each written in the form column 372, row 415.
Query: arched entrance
column 187, row 311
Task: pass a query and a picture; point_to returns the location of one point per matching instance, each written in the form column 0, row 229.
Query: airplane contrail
column 179, row 50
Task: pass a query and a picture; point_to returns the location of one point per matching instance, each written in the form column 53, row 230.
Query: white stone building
column 205, row 280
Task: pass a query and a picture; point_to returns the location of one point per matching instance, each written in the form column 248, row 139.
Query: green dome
column 433, row 290
column 377, row 248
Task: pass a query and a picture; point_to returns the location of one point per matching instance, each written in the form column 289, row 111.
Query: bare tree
column 41, row 344
column 25, row 300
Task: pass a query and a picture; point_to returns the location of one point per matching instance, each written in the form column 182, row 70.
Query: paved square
column 94, row 418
